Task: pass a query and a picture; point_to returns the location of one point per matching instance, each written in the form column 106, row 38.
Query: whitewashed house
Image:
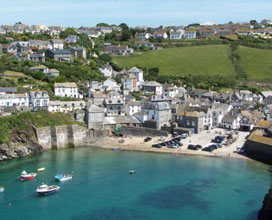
column 40, row 68
column 67, row 89
column 106, row 70
column 219, row 110
column 160, row 34
column 169, row 90
column 176, row 34
column 133, row 107
column 71, row 39
column 114, row 107
column 57, row 44
column 38, row 99
column 95, row 86
column 53, row 73
column 65, row 106
column 40, row 44
column 231, row 121
column 142, row 36
column 190, row 34
column 9, row 100
column 110, row 84
column 152, row 87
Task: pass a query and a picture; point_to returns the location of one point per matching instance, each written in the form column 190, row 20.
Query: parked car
column 198, row 146
column 209, row 149
column 147, row 139
column 183, row 136
column 191, row 147
column 157, row 146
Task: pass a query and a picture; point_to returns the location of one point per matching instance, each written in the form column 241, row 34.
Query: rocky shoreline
column 9, row 152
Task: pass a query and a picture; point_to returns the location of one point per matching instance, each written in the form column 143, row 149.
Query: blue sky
column 133, row 12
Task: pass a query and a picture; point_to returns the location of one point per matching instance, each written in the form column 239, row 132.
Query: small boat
column 27, row 176
column 2, row 189
column 44, row 190
column 116, row 148
column 63, row 177
column 132, row 172
column 41, row 169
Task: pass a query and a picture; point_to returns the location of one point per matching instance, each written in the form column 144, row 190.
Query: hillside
column 210, row 59
column 204, row 60
column 256, row 63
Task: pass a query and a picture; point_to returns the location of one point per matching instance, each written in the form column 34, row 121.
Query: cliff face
column 16, row 150
column 46, row 138
column 266, row 211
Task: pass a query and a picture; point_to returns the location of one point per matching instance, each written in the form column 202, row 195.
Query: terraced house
column 68, row 89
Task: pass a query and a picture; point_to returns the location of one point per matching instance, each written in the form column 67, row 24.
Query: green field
column 257, row 63
column 210, row 59
column 204, row 60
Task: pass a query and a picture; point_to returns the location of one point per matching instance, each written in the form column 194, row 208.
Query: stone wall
column 142, row 131
column 67, row 136
column 259, row 151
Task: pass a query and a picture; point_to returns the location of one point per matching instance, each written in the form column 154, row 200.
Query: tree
column 67, row 32
column 124, row 26
column 92, row 64
column 253, row 22
column 126, row 35
column 102, row 25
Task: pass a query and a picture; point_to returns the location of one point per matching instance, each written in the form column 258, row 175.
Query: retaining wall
column 142, row 131
column 67, row 136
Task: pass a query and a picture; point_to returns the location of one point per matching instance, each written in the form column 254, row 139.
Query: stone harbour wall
column 143, row 131
column 259, row 151
column 67, row 136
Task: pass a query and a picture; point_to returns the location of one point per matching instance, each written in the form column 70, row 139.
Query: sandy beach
column 135, row 143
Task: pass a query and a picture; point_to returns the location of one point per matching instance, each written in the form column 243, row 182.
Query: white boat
column 63, row 177
column 46, row 190
column 2, row 189
column 27, row 176
column 41, row 169
column 132, row 172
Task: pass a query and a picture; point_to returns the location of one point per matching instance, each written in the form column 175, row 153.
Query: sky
column 133, row 12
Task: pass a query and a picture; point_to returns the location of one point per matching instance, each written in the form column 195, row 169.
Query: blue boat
column 63, row 177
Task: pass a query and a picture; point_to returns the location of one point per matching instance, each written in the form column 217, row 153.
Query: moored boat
column 63, row 177
column 27, row 176
column 2, row 189
column 41, row 169
column 132, row 172
column 44, row 189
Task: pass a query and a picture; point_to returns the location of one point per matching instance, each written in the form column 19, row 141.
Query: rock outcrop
column 266, row 211
column 19, row 150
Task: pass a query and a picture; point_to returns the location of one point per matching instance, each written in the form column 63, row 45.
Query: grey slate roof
column 8, row 89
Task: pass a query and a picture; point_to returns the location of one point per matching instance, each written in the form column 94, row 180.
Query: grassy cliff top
column 11, row 127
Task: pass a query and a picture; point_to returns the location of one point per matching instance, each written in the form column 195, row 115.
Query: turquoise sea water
column 164, row 187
